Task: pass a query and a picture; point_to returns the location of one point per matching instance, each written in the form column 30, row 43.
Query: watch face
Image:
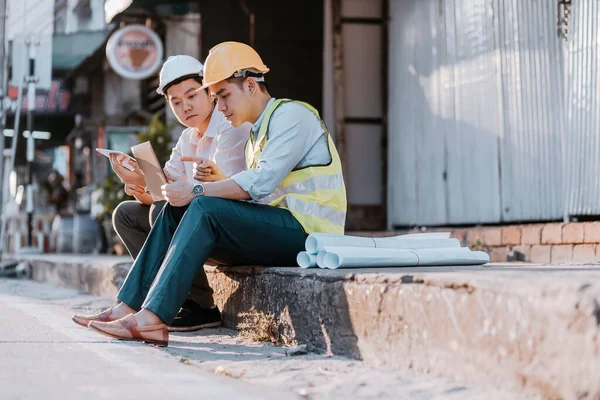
column 198, row 190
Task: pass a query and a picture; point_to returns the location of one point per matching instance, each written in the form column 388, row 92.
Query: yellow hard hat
column 229, row 59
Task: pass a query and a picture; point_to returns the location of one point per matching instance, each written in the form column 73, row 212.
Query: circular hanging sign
column 134, row 52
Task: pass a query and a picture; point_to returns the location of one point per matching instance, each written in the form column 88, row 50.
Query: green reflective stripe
column 310, row 185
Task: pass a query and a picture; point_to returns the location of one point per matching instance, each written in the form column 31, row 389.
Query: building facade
column 444, row 112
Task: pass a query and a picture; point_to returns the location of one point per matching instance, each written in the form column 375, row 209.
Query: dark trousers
column 133, row 221
column 223, row 231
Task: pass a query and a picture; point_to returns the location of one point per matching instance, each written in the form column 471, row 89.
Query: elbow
column 244, row 196
column 263, row 192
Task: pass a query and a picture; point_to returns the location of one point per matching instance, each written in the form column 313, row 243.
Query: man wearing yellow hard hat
column 292, row 186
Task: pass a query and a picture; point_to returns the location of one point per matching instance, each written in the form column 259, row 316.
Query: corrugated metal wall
column 530, row 55
column 470, row 112
column 582, row 155
column 477, row 109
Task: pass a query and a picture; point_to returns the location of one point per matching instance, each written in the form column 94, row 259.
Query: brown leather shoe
column 127, row 329
column 84, row 320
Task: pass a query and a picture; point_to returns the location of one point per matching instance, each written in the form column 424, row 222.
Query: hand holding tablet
column 125, row 160
column 153, row 172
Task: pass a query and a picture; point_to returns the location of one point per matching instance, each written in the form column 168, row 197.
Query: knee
column 118, row 215
column 155, row 210
column 121, row 216
column 208, row 208
column 207, row 205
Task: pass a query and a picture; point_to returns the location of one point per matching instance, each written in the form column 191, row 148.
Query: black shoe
column 192, row 317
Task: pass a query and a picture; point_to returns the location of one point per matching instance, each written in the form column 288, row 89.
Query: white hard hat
column 177, row 67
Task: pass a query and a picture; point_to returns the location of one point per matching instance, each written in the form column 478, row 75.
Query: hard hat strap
column 257, row 76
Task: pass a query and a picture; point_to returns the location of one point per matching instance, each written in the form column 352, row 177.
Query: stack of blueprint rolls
column 423, row 249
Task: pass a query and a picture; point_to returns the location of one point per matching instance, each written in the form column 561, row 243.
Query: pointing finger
column 191, row 159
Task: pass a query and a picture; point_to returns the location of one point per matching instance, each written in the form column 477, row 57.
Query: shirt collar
column 259, row 121
column 212, row 129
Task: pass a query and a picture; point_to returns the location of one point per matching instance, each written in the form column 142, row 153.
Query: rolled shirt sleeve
column 293, row 131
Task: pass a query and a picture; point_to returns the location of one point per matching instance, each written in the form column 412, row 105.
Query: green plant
column 112, row 193
column 159, row 136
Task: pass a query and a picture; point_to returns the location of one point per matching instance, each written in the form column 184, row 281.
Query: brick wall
column 538, row 243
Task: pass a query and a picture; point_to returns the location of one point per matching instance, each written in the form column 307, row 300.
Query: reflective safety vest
column 314, row 194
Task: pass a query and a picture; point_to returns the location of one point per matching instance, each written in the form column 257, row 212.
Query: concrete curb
column 102, row 275
column 519, row 327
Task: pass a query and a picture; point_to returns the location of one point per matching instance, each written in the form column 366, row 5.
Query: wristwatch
column 198, row 190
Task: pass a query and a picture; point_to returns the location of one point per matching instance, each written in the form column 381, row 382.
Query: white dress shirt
column 221, row 143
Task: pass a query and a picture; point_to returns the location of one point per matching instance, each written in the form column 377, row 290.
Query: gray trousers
column 133, row 221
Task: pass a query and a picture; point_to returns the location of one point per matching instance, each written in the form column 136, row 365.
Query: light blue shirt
column 296, row 139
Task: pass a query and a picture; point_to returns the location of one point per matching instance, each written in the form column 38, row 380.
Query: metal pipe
column 3, row 93
column 13, row 146
column 31, row 81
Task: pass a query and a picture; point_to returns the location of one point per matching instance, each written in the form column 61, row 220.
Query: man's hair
column 195, row 77
column 239, row 81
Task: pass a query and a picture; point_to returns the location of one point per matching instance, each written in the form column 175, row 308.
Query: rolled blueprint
column 315, row 242
column 444, row 257
column 306, row 260
column 320, row 261
column 334, row 257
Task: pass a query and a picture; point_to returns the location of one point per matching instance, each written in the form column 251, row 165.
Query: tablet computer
column 125, row 162
column 153, row 172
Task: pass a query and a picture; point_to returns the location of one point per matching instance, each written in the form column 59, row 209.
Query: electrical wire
column 39, row 18
column 45, row 23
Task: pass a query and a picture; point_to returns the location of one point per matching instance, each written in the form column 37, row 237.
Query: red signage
column 54, row 100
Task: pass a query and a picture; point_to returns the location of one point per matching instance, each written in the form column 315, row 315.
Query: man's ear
column 252, row 85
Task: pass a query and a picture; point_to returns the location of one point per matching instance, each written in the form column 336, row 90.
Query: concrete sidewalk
column 43, row 354
column 515, row 326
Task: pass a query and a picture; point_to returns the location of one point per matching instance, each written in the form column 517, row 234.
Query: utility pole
column 31, row 80
column 3, row 91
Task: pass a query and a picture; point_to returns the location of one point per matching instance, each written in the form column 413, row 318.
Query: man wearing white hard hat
column 208, row 150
